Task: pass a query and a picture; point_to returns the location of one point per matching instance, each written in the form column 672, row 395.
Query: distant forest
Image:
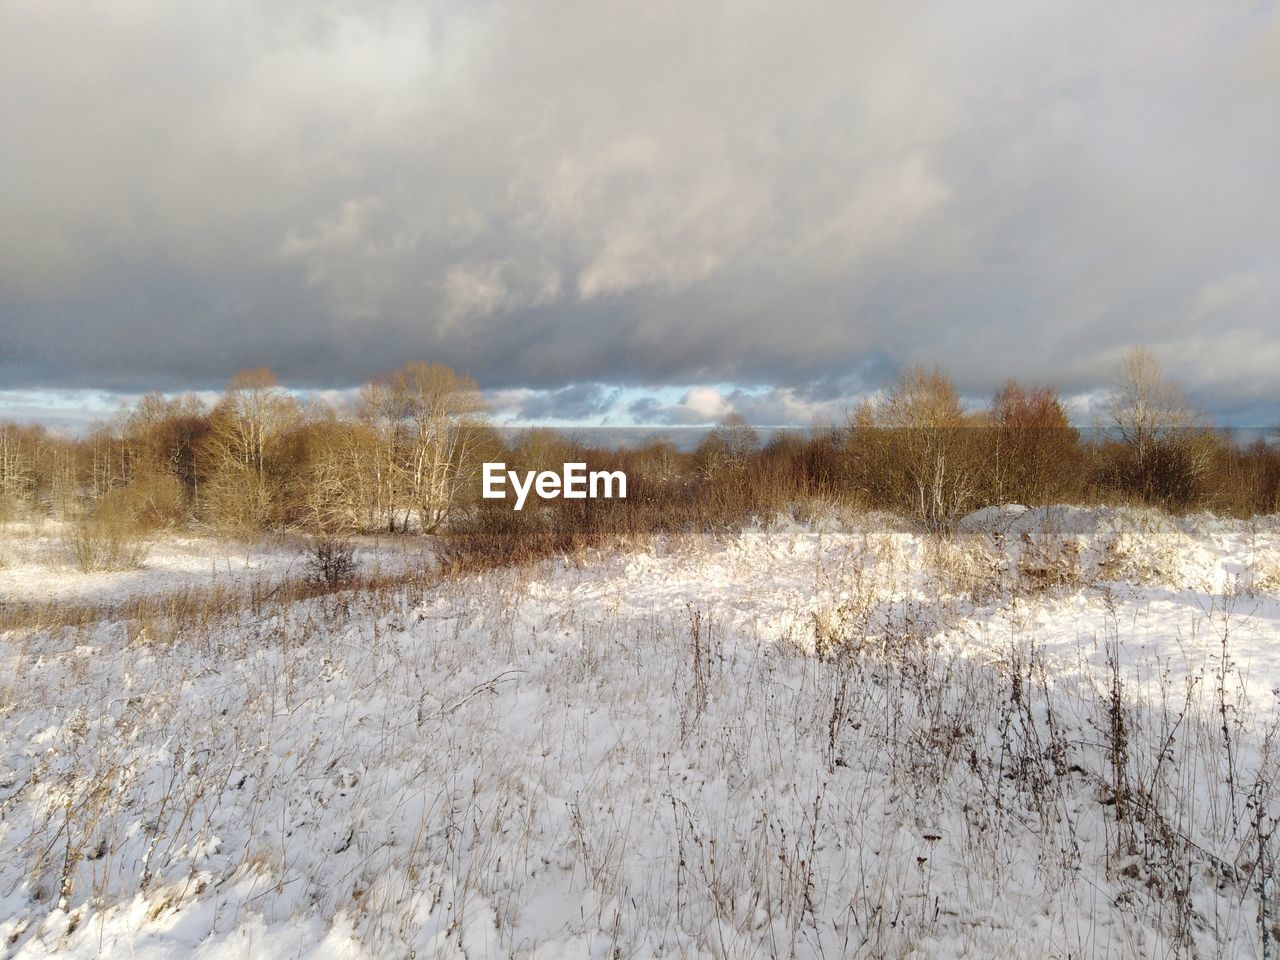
column 407, row 459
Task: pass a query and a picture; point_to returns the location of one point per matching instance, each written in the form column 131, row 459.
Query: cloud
column 578, row 401
column 554, row 193
column 769, row 407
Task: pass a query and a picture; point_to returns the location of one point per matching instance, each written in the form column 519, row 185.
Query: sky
column 651, row 212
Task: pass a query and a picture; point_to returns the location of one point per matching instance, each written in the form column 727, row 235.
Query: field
column 1051, row 735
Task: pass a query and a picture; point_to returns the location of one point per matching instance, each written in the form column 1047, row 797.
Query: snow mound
column 1135, row 545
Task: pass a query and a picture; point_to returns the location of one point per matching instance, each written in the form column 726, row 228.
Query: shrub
column 494, row 535
column 330, row 562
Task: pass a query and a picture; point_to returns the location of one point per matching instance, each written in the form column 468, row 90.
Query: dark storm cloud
column 799, row 198
column 647, row 410
column 579, row 401
column 772, row 406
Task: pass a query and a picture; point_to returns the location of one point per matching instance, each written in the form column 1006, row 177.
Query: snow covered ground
column 1052, row 736
column 37, row 564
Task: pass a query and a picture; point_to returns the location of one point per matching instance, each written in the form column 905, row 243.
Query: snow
column 816, row 740
column 37, row 565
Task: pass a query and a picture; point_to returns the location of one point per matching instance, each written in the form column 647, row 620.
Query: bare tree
column 338, row 482
column 913, row 449
column 252, row 416
column 17, row 472
column 1167, row 444
column 1035, row 451
column 379, row 409
column 727, row 447
column 445, row 408
column 246, row 428
column 158, row 441
column 426, row 420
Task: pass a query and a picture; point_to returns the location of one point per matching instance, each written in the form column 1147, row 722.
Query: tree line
column 407, row 458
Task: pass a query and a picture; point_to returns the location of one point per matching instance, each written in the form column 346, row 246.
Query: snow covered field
column 37, row 565
column 1053, row 736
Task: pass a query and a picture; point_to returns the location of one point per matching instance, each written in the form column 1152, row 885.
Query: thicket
column 408, row 457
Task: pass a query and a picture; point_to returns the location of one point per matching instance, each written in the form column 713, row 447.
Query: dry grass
column 965, row 566
column 199, row 609
column 1049, row 562
column 1265, row 578
column 105, row 543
